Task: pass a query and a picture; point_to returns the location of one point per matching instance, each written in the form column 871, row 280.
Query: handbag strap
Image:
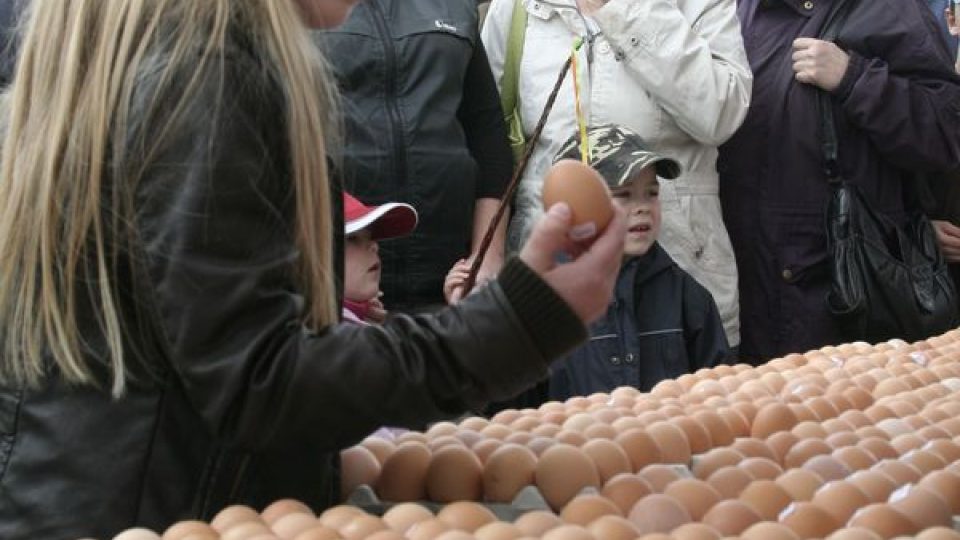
column 828, row 130
column 510, row 81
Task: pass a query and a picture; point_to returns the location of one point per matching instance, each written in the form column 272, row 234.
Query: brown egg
column 704, row 465
column 696, row 495
column 822, row 407
column 660, row 475
column 771, row 419
column 474, row 423
column 922, row 506
column 884, row 520
column 583, row 509
column 946, row 484
column 454, row 474
column 465, row 515
column 761, row 468
column 508, row 470
column 624, row 490
column 404, row 515
column 854, row 533
column 731, row 517
column 658, row 513
column 827, row 467
column 719, row 430
column 766, row 497
column 290, row 525
column 498, row 530
column 562, row 471
column 190, row 528
column 840, row 499
column 385, row 534
column 751, row 447
column 537, row 522
column 780, row 444
column 766, row 530
column 902, row 473
column 878, row 448
column 612, row 528
column 855, row 418
column 233, row 515
column 804, row 450
column 730, row 481
column 640, row 448
column 282, row 507
column 809, row 430
column 938, row 533
column 427, row 530
column 582, row 188
column 801, row 484
column 411, row 436
column 404, row 473
column 568, row 532
column 739, row 425
column 842, row 439
column 673, row 443
column 925, row 461
column 518, row 437
column 854, row 457
column 808, row 520
column 695, row 531
column 246, row 530
column 139, row 533
column 361, row 527
column 876, row 485
column 608, row 457
column 358, row 466
column 571, row 438
column 338, row 516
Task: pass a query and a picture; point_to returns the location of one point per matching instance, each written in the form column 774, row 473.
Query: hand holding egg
column 584, row 191
column 586, row 283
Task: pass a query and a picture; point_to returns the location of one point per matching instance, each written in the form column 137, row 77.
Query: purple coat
column 897, row 111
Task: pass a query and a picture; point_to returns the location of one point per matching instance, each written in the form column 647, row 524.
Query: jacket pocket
column 9, row 416
column 801, row 247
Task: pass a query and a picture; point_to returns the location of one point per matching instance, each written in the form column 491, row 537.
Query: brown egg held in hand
column 584, row 191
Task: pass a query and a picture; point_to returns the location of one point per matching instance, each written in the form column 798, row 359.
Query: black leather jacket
column 232, row 400
column 423, row 126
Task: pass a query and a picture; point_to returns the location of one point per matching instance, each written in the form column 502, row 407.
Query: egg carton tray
column 528, row 499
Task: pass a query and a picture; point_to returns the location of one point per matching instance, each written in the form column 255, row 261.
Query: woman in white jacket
column 673, row 71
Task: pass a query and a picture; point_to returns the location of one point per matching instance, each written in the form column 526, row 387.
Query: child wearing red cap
column 364, row 227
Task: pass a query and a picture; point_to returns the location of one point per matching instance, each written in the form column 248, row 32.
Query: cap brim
column 388, row 220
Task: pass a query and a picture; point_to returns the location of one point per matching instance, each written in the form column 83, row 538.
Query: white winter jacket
column 673, row 71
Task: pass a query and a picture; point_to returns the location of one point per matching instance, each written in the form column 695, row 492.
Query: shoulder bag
column 887, row 280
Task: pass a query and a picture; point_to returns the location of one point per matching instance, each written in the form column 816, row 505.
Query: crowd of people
column 236, row 233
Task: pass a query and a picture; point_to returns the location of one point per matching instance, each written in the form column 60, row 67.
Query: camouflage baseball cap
column 618, row 153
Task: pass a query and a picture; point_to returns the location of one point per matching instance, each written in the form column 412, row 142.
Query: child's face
column 639, row 198
column 361, row 281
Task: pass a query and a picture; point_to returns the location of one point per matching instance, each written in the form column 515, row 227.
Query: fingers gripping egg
column 584, row 191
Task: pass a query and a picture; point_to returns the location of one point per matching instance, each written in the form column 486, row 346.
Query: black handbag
column 887, row 280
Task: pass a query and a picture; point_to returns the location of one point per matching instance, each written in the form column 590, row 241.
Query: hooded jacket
column 231, row 399
column 897, row 113
column 661, row 324
column 674, row 72
column 423, row 126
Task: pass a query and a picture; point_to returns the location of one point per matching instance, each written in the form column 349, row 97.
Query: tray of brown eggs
column 850, row 442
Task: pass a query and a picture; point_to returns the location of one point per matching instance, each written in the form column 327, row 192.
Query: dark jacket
column 423, row 126
column 897, row 111
column 661, row 325
column 233, row 400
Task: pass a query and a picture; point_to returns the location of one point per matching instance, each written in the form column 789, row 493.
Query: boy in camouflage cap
column 662, row 323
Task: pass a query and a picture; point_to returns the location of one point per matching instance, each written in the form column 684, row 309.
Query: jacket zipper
column 390, row 87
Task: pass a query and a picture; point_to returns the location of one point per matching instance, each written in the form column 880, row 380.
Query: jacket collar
column 644, row 267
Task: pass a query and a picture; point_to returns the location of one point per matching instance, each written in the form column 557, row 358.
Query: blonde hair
column 69, row 100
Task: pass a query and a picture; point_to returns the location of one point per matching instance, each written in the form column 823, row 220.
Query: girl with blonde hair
column 168, row 306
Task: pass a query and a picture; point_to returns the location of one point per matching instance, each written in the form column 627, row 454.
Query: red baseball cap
column 389, row 220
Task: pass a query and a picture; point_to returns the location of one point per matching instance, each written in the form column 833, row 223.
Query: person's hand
column 820, row 63
column 453, row 283
column 376, row 313
column 588, row 7
column 948, row 237
column 951, row 18
column 586, row 283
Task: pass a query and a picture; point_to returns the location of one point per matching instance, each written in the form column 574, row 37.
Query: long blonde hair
column 71, row 93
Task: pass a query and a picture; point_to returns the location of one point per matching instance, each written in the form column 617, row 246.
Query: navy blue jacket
column 661, row 325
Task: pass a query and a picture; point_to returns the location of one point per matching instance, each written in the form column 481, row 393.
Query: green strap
column 510, row 81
